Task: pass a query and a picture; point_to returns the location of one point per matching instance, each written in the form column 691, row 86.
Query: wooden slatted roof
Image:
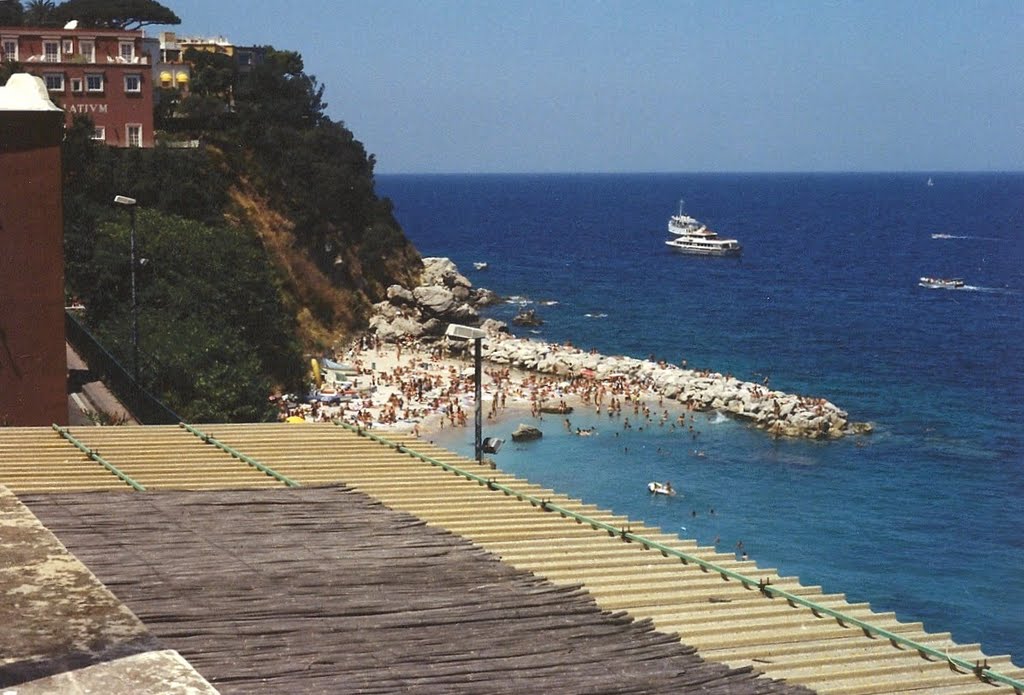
column 325, row 590
column 725, row 620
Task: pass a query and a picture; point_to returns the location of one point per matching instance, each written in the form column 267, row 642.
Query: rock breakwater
column 446, row 296
column 777, row 412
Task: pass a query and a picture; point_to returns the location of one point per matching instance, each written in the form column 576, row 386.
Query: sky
column 508, row 86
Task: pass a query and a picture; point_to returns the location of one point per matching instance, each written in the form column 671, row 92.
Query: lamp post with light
column 130, row 204
column 476, row 335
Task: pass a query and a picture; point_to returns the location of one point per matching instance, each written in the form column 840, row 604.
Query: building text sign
column 87, row 108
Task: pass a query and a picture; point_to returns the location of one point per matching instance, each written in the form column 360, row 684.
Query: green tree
column 12, row 14
column 115, row 14
column 40, row 13
column 214, row 336
column 213, row 74
column 316, row 170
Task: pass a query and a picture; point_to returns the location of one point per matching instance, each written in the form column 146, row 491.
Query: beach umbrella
column 294, row 418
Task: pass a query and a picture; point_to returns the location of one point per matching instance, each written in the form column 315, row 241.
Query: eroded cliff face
column 330, row 304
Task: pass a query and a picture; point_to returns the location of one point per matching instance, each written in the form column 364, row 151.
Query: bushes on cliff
column 270, row 122
column 214, row 338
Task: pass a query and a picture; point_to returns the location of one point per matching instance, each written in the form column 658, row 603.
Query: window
column 87, row 48
column 127, row 50
column 133, row 83
column 99, row 133
column 76, row 84
column 51, row 51
column 54, row 81
column 10, row 47
column 69, row 46
column 94, row 83
column 133, row 133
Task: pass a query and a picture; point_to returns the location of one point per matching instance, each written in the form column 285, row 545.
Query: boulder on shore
column 526, row 433
column 527, row 317
column 441, row 272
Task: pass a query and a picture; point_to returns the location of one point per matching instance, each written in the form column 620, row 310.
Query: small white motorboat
column 480, row 265
column 656, row 488
column 941, row 283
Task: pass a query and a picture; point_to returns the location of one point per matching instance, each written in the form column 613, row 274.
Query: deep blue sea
column 925, row 517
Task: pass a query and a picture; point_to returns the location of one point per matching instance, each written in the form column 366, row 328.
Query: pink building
column 100, row 72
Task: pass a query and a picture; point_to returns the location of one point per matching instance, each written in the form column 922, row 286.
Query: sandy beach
column 410, row 387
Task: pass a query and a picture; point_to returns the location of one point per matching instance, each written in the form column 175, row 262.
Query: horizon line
column 738, row 172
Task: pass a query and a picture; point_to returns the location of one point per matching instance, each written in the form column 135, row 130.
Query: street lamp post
column 130, row 203
column 476, row 335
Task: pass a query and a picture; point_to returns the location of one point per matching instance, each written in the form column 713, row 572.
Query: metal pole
column 135, row 306
column 478, row 358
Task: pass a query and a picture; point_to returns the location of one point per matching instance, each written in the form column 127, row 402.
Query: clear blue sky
column 585, row 85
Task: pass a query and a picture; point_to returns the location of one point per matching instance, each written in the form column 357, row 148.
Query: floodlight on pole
column 460, row 332
column 130, row 204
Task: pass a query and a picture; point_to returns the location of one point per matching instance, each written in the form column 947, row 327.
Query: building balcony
column 78, row 59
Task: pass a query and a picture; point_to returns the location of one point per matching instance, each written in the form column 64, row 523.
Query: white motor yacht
column 694, row 237
column 682, row 224
column 705, row 247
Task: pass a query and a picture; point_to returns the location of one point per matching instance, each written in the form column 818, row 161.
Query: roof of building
column 325, row 590
column 733, row 612
column 66, row 632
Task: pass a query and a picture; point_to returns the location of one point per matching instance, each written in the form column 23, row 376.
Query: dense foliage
column 270, row 122
column 214, row 335
column 224, row 311
column 115, row 14
column 96, row 14
column 12, row 13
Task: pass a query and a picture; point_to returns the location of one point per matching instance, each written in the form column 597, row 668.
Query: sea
column 925, row 516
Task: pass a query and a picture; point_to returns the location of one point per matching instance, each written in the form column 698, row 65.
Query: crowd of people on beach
column 419, row 388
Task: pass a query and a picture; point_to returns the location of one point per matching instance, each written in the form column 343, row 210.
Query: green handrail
column 239, row 455
column 979, row 669
column 95, row 456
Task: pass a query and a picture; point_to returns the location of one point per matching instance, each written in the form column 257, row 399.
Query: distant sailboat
column 930, row 182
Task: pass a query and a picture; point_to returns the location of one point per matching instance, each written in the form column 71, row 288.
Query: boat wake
column 989, row 290
column 962, row 236
column 520, row 300
column 977, row 288
column 596, row 316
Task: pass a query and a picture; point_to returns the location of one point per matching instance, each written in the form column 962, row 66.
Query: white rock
column 442, row 272
column 437, row 300
column 399, row 295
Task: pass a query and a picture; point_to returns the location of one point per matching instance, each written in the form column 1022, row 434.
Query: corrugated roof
column 730, row 621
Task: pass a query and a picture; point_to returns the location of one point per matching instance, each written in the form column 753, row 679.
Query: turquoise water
column 922, row 517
